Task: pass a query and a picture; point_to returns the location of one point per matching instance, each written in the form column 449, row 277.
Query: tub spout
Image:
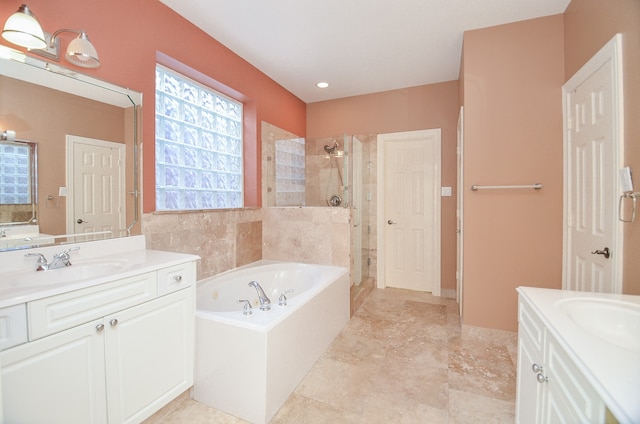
column 265, row 302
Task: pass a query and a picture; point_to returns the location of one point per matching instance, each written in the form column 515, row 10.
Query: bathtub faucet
column 265, row 302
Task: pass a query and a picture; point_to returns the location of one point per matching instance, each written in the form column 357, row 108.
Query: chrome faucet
column 265, row 302
column 60, row 260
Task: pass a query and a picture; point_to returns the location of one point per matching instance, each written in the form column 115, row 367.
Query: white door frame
column 460, row 212
column 612, row 51
column 380, row 212
column 72, row 140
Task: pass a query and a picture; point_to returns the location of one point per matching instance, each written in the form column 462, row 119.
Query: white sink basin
column 75, row 272
column 611, row 320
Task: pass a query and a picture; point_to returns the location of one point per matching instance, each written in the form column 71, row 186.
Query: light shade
column 82, row 53
column 23, row 29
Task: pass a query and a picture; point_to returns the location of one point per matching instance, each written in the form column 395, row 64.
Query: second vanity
column 578, row 357
column 108, row 339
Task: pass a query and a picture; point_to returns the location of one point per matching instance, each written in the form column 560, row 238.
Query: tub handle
column 246, row 310
column 282, row 300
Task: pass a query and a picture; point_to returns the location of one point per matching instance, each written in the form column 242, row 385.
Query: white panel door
column 592, row 239
column 412, row 210
column 96, row 186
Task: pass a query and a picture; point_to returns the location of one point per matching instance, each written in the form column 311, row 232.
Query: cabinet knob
column 99, row 328
column 177, row 278
column 113, row 322
column 541, row 378
column 536, row 368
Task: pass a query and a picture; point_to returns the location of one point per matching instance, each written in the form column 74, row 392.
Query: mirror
column 18, row 181
column 53, row 108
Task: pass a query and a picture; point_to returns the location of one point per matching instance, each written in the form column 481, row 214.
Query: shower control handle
column 390, row 222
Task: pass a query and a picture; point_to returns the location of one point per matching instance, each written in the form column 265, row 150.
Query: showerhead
column 331, row 149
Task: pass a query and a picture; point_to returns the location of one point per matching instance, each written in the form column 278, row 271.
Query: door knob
column 80, row 221
column 390, row 222
column 604, row 252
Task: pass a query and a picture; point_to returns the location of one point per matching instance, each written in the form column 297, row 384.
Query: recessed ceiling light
column 322, row 84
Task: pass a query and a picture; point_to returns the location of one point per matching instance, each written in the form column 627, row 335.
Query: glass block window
column 198, row 146
column 290, row 173
column 15, row 171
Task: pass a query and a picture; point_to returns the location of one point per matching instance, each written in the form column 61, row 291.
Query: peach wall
column 127, row 35
column 513, row 135
column 588, row 25
column 409, row 109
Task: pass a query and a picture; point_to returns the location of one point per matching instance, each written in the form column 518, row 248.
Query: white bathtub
column 248, row 365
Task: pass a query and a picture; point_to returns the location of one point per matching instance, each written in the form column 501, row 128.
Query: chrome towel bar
column 536, row 186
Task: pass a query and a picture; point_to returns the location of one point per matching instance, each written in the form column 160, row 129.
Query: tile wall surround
column 311, row 234
column 223, row 239
column 231, row 238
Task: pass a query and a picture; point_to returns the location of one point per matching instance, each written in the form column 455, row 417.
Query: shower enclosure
column 338, row 174
column 330, row 172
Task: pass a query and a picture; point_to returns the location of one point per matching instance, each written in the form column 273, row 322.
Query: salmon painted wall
column 409, row 109
column 588, row 25
column 128, row 34
column 513, row 76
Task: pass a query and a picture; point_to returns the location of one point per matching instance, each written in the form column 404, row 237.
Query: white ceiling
column 357, row 46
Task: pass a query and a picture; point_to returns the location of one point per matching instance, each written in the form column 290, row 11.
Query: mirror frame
column 17, row 65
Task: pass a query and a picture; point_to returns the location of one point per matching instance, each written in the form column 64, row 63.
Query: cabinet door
column 529, row 391
column 149, row 350
column 570, row 397
column 57, row 379
column 530, row 394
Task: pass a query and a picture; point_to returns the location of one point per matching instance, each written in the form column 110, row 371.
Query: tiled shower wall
column 321, row 173
column 312, row 235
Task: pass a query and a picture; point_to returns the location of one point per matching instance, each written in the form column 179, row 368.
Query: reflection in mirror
column 18, row 182
column 51, row 105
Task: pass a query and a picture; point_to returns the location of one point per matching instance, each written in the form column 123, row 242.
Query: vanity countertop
column 126, row 257
column 611, row 369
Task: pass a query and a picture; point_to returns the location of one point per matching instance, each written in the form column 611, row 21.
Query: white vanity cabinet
column 111, row 353
column 550, row 388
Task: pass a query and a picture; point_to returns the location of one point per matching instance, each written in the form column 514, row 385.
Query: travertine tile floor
column 403, row 358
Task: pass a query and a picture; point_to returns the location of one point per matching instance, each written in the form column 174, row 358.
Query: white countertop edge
column 600, row 366
column 139, row 260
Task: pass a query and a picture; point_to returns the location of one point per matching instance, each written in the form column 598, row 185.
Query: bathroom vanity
column 578, row 357
column 108, row 339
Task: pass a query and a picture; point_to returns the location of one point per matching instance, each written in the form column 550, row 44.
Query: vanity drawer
column 175, row 278
column 53, row 314
column 13, row 326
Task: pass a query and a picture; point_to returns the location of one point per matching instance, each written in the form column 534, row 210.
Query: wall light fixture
column 7, row 135
column 23, row 29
